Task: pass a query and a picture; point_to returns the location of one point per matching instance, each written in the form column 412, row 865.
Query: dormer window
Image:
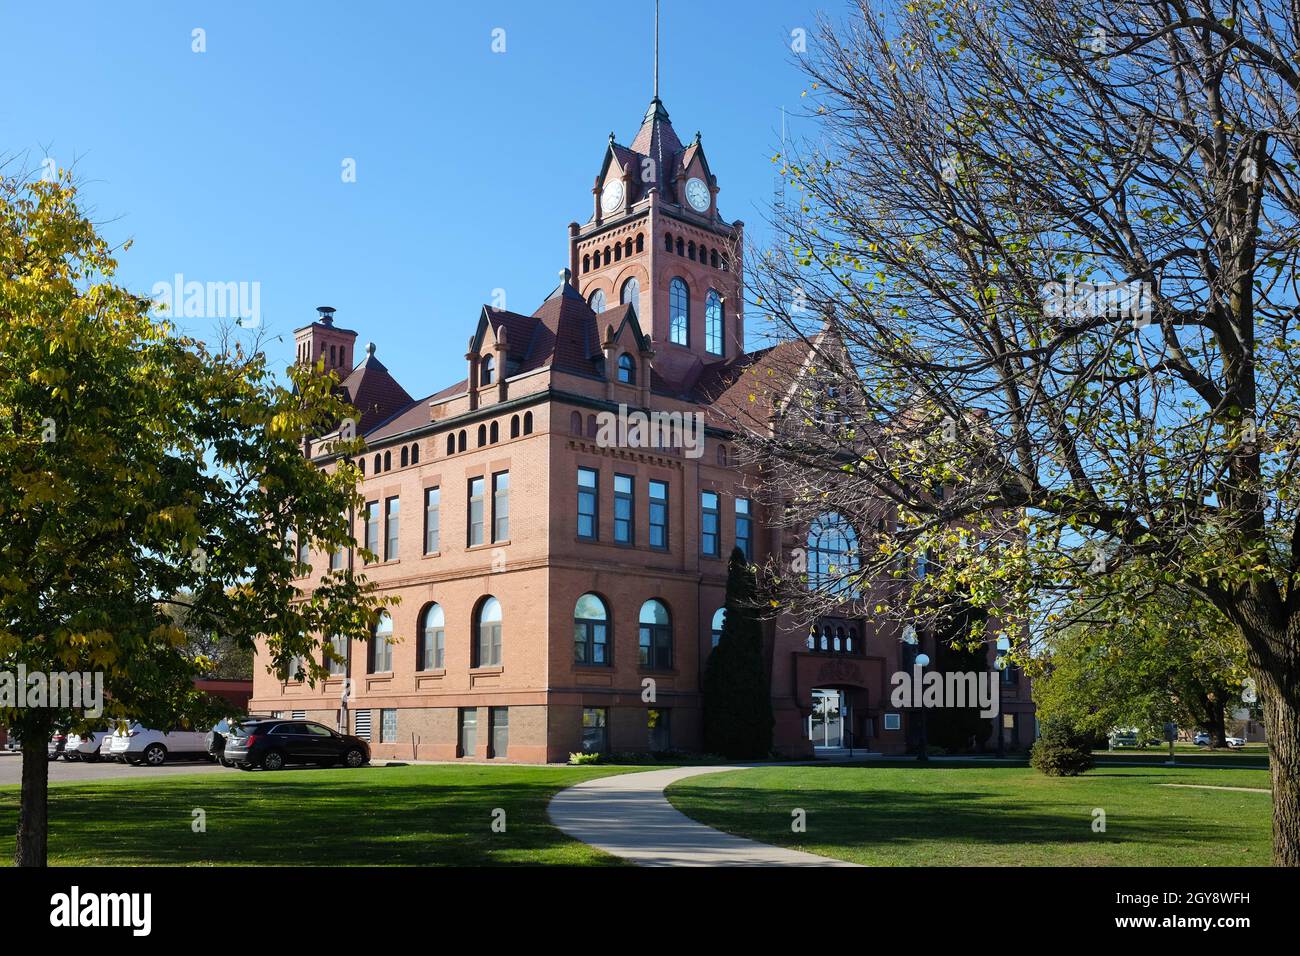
column 486, row 370
column 626, row 369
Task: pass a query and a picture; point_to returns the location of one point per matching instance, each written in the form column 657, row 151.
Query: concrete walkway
column 629, row 816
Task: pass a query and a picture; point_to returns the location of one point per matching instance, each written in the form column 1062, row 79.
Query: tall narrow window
column 627, row 369
column 588, row 504
column 656, row 637
column 475, row 512
column 624, row 509
column 715, row 629
column 631, row 295
column 338, row 656
column 679, row 313
column 468, row 731
column 391, row 519
column 713, row 323
column 501, row 506
column 590, row 631
column 486, row 370
column 487, row 650
column 381, row 646
column 500, row 720
column 709, row 537
column 659, row 515
column 744, row 528
column 372, row 528
column 594, row 740
column 432, row 521
column 432, row 639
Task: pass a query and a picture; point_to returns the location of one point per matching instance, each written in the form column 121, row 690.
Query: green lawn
column 905, row 815
column 417, row 815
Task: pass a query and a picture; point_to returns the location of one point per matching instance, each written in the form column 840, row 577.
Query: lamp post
column 1000, row 663
column 922, row 661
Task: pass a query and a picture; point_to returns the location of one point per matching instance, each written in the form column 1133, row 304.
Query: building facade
column 562, row 585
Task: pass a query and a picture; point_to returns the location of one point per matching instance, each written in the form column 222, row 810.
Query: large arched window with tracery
column 832, row 554
column 679, row 312
column 631, row 295
column 713, row 323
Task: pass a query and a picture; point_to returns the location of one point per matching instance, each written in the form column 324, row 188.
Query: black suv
column 271, row 744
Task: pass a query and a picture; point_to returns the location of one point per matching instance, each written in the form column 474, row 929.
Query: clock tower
column 656, row 240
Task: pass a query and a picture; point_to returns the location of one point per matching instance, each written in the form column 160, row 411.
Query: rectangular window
column 744, row 528
column 660, row 728
column 588, row 504
column 391, row 518
column 709, row 538
column 336, row 560
column 500, row 718
column 593, row 730
column 656, row 645
column 659, row 515
column 468, row 731
column 339, row 659
column 475, row 511
column 388, row 726
column 372, row 527
column 432, row 497
column 624, row 509
column 304, row 549
column 501, row 506
column 381, row 654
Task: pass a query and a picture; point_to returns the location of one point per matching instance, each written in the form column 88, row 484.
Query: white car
column 153, row 747
column 1235, row 741
column 84, row 746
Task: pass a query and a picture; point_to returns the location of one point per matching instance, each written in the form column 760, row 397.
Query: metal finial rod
column 656, row 49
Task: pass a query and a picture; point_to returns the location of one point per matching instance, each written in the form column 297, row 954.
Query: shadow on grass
column 383, row 816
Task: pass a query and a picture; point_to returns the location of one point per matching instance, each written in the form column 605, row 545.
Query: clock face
column 611, row 197
column 697, row 194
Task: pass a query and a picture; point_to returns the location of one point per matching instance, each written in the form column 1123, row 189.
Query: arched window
column 679, row 313
column 607, row 259
column 380, row 657
column 514, row 426
column 715, row 631
column 379, row 463
column 713, row 322
column 713, row 258
column 656, row 637
column 451, row 444
column 839, row 639
column 406, row 457
column 460, row 440
column 586, row 263
column 852, row 640
column 431, row 641
column 681, row 247
column 528, row 423
column 487, row 629
column 832, row 554
column 485, row 370
column 722, row 455
column 332, row 359
column 388, row 461
column 361, row 464
column 627, row 247
column 415, row 454
column 590, row 631
column 618, row 252
column 592, row 428
column 627, row 369
column 668, row 242
column 597, row 301
column 640, row 242
column 631, row 295
column 690, row 250
column 482, row 436
column 826, row 639
column 494, row 433
column 575, row 423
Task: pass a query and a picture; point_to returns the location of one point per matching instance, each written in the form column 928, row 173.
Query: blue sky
column 226, row 165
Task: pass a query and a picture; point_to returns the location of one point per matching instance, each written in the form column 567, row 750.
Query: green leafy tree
column 1061, row 750
column 1173, row 660
column 139, row 469
column 1044, row 253
column 737, row 696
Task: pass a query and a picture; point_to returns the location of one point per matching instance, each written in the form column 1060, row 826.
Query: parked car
column 1235, row 741
column 1202, row 739
column 106, row 746
column 1120, row 739
column 84, row 746
column 145, row 745
column 58, row 741
column 273, row 743
column 216, row 738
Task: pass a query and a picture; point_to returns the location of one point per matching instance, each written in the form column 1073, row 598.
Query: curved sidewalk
column 628, row 816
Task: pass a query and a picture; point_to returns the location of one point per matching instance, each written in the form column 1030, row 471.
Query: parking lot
column 11, row 769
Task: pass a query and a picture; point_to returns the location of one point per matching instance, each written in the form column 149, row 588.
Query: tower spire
column 656, row 96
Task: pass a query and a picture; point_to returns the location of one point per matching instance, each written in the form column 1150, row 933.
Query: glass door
column 826, row 723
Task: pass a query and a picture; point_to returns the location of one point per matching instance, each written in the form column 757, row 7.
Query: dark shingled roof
column 373, row 392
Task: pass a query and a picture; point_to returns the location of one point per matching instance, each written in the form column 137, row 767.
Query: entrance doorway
column 830, row 718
